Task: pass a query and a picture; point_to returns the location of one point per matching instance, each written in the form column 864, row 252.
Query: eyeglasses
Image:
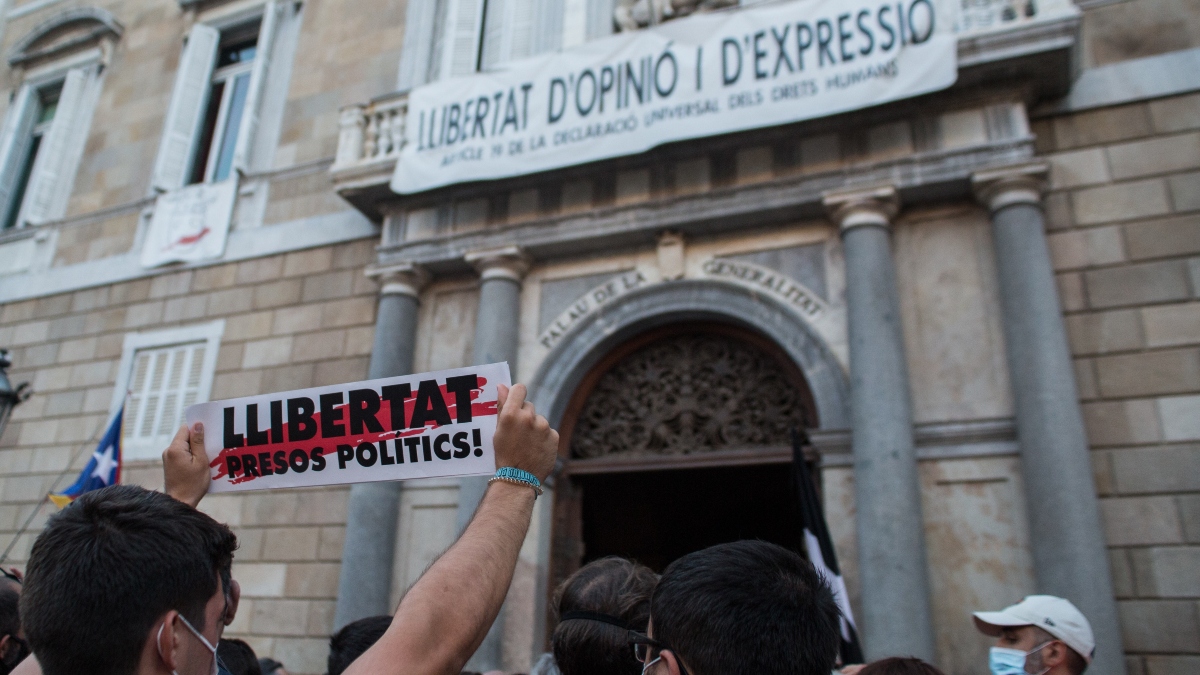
column 645, row 648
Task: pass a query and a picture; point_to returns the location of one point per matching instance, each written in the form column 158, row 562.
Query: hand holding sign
column 524, row 438
column 185, row 466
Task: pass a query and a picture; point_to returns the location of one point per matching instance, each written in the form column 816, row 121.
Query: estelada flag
column 103, row 470
column 819, row 546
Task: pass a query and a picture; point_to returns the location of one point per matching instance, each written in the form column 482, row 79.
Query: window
column 162, row 373
column 47, row 103
column 220, row 85
column 42, row 141
column 226, row 105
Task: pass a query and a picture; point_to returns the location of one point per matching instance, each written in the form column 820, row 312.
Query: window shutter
column 420, row 26
column 14, row 142
column 46, row 181
column 463, row 26
column 186, row 111
column 508, row 28
column 258, row 78
column 163, row 384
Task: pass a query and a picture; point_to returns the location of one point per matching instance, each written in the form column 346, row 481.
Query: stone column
column 1069, row 554
column 365, row 583
column 496, row 325
column 897, row 620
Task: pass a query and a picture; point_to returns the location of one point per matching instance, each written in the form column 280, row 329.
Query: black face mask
column 16, row 654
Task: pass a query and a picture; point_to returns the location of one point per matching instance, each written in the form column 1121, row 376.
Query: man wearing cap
column 1041, row 635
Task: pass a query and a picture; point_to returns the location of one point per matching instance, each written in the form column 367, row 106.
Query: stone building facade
column 982, row 303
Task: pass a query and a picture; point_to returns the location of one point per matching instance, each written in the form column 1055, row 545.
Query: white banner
column 190, row 224
column 704, row 75
column 416, row 426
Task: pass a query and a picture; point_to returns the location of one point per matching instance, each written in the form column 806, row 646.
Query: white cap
column 1056, row 616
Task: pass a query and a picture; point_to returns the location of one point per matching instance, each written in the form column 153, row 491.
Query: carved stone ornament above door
column 689, row 393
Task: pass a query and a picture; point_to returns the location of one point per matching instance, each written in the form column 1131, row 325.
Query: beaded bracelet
column 516, row 476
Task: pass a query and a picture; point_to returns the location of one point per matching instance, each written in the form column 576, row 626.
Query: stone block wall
column 1124, row 221
column 296, row 320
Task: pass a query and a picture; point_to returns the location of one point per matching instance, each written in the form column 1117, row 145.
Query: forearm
column 444, row 617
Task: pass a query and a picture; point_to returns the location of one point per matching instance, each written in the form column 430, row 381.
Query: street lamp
column 9, row 397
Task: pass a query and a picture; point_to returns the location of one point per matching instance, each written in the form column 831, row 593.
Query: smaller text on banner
column 427, row 425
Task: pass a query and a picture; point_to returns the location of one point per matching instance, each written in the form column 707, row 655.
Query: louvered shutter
column 258, row 79
column 14, row 143
column 47, row 178
column 186, row 111
column 509, row 31
column 164, row 382
column 464, row 22
column 420, row 25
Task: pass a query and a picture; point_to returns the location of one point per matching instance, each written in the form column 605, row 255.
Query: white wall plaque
column 190, row 224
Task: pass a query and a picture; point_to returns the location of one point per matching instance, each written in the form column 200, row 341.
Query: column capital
column 399, row 278
column 508, row 262
column 1007, row 185
column 873, row 206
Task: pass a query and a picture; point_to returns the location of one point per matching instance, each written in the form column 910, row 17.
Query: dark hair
column 353, row 639
column 610, row 586
column 237, row 657
column 10, row 614
column 749, row 607
column 267, row 665
column 899, row 665
column 1076, row 664
column 107, row 567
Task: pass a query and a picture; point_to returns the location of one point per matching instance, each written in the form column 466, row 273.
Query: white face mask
column 1004, row 661
column 203, row 640
column 647, row 666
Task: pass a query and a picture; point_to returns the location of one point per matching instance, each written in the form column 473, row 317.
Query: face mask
column 647, row 666
column 203, row 640
column 1004, row 661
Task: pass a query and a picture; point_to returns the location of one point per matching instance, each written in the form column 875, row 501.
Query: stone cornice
column 919, row 178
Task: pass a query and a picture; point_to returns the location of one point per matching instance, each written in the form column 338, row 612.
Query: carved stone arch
column 563, row 369
column 65, row 32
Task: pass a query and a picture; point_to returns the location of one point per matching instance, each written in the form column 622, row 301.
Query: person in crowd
column 237, row 657
column 597, row 606
column 13, row 648
column 269, row 666
column 896, row 665
column 743, row 608
column 128, row 580
column 352, row 640
column 1042, row 635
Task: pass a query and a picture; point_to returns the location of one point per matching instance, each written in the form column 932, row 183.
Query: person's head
column 747, row 607
column 1042, row 634
column 237, row 657
column 13, row 648
column 899, row 665
column 597, row 607
column 353, row 639
column 123, row 574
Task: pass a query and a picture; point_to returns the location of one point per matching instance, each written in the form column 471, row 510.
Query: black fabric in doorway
column 655, row 517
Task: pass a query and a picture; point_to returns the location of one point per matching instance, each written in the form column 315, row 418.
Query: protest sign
column 414, row 426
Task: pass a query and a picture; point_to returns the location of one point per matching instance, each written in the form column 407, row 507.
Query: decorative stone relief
column 689, row 394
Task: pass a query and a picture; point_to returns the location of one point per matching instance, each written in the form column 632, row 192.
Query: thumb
column 501, row 396
column 196, row 442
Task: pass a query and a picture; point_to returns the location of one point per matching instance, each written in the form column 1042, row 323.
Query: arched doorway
column 677, row 439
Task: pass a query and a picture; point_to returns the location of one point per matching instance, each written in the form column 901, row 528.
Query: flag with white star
column 103, row 470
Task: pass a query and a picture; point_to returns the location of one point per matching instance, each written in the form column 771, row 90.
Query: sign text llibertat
column 700, row 76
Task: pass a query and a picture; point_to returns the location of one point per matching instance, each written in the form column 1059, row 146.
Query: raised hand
column 523, row 438
column 186, row 474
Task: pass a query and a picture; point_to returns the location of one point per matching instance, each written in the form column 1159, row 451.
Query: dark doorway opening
column 655, row 517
